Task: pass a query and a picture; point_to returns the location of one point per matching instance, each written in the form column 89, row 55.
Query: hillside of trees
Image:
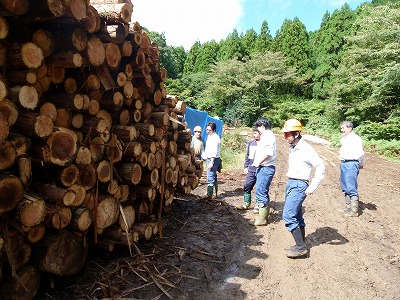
column 348, row 69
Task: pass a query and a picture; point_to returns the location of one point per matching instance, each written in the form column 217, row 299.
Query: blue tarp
column 194, row 117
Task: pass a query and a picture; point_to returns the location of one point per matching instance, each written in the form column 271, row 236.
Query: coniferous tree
column 206, row 56
column 328, row 45
column 264, row 39
column 249, row 41
column 292, row 41
column 191, row 58
column 231, row 47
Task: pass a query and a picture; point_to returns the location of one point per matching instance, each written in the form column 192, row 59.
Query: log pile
column 92, row 149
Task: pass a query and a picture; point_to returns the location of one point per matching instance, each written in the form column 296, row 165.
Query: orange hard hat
column 292, row 125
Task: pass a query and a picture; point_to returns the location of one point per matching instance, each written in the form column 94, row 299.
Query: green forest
column 349, row 69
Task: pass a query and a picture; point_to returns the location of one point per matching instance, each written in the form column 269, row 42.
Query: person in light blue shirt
column 351, row 157
column 212, row 156
column 302, row 160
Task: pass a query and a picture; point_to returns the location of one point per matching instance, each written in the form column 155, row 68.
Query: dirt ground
column 209, row 251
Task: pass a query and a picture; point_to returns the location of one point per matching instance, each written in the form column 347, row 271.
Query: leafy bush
column 233, row 148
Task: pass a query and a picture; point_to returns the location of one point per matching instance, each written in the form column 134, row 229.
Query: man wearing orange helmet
column 302, row 158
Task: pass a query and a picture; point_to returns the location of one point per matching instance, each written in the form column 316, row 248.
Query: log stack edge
column 92, row 148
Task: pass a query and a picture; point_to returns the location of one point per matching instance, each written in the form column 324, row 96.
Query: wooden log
column 131, row 150
column 125, row 133
column 107, row 211
column 8, row 155
column 71, row 39
column 112, row 55
column 69, row 175
column 92, row 21
column 34, row 124
column 97, row 148
column 116, row 234
column 65, row 59
column 95, row 52
column 129, row 172
column 16, row 7
column 80, row 194
column 126, row 217
column 45, row 40
column 27, row 55
column 64, row 118
column 57, row 216
column 52, row 193
column 87, row 176
column 36, row 233
column 63, row 254
column 114, row 149
column 9, row 111
column 19, row 252
column 115, row 13
column 49, row 109
column 26, row 96
column 25, row 284
column 145, row 230
column 105, row 77
column 31, row 210
column 83, row 156
column 77, row 122
column 25, row 169
column 75, row 9
column 150, row 178
column 81, row 219
column 61, row 147
column 104, row 171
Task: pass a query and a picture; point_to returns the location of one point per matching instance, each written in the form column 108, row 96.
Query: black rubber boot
column 300, row 249
column 303, row 234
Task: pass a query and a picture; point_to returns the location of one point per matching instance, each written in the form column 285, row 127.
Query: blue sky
column 186, row 21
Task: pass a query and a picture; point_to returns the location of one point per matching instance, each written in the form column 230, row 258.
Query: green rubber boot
column 247, row 202
column 262, row 218
column 210, row 189
column 216, row 190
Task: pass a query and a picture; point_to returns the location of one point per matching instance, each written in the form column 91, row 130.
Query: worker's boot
column 216, row 189
column 347, row 203
column 210, row 190
column 262, row 218
column 353, row 212
column 300, row 249
column 247, row 202
column 303, row 234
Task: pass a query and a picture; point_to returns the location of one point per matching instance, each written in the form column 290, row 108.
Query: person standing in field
column 351, row 155
column 212, row 156
column 302, row 160
column 250, row 171
column 264, row 161
column 197, row 143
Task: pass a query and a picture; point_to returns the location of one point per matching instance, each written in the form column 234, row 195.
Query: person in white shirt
column 212, row 156
column 351, row 155
column 302, row 160
column 264, row 161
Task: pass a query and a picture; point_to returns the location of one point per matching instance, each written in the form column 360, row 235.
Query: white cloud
column 186, row 21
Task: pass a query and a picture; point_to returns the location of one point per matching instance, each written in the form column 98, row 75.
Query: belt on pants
column 304, row 180
column 348, row 160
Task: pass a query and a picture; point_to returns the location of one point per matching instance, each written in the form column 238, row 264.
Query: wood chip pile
column 92, row 149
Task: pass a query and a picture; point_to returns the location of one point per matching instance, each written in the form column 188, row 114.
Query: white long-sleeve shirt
column 302, row 158
column 213, row 146
column 352, row 148
column 266, row 149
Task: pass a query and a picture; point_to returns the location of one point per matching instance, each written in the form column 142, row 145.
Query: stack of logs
column 92, row 149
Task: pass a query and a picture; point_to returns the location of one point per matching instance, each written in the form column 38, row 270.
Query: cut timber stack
column 92, row 149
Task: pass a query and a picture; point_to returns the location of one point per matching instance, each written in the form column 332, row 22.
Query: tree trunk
column 31, row 211
column 11, row 192
column 81, row 219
